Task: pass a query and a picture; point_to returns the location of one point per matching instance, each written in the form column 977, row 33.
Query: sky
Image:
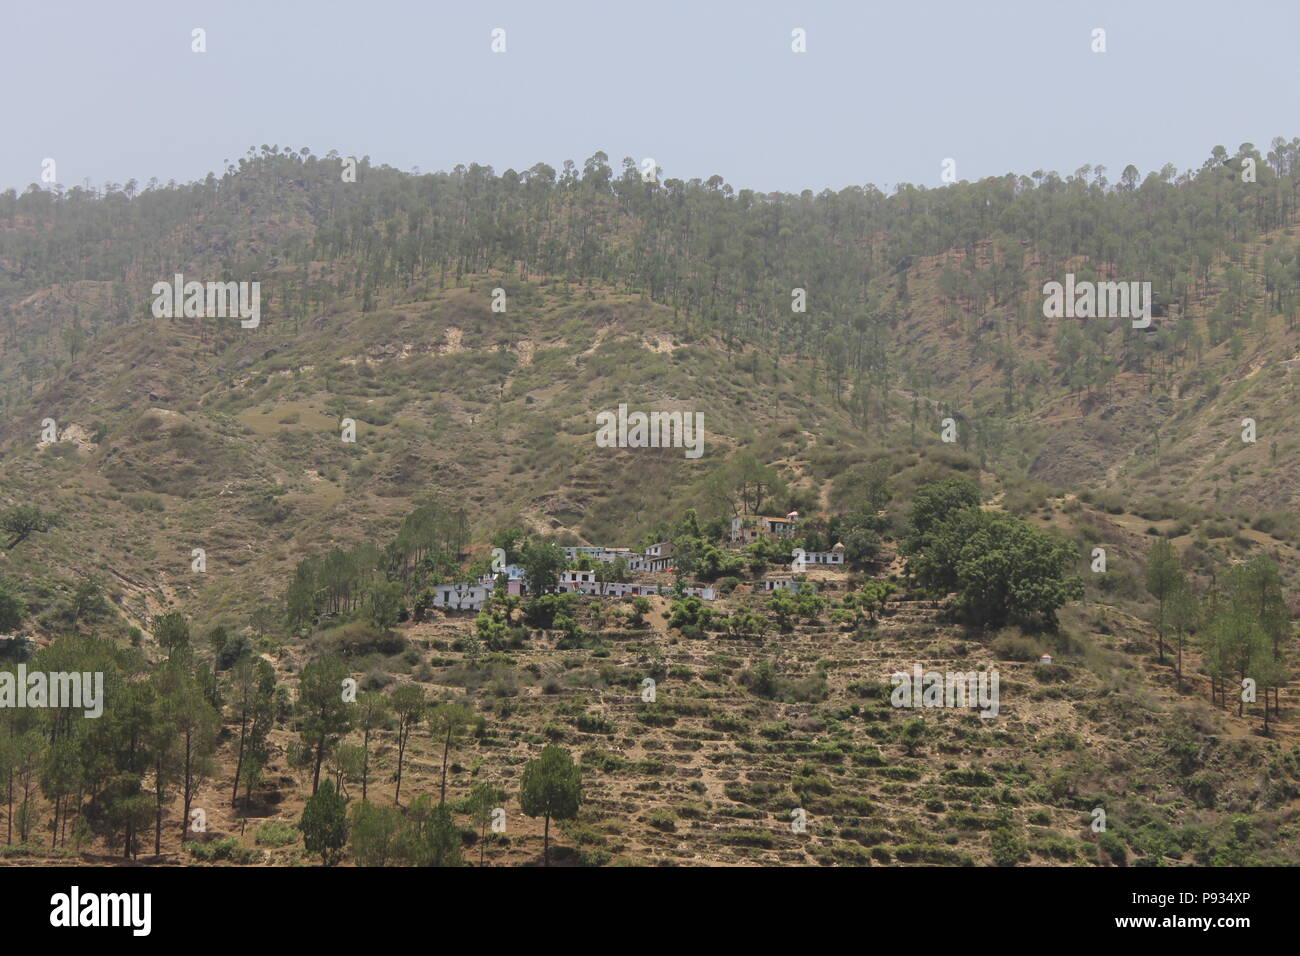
column 885, row 92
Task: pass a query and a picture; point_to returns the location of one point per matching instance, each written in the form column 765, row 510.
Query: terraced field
column 711, row 770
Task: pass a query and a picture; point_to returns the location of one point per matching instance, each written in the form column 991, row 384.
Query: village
column 647, row 570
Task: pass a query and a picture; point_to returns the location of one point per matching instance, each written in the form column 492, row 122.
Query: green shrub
column 758, row 838
column 1011, row 645
column 593, row 724
column 276, row 833
column 228, row 848
column 1008, row 847
column 662, row 820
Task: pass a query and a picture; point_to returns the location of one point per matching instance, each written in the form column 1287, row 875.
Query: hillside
column 175, row 434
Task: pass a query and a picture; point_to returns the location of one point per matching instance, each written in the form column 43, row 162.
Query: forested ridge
column 726, row 258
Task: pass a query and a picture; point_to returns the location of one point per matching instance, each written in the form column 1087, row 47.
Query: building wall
column 824, row 557
column 462, row 597
column 771, row 526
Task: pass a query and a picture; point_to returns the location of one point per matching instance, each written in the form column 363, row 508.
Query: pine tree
column 551, row 787
column 324, row 824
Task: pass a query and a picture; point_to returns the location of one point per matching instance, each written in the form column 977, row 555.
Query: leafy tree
column 875, row 594
column 876, row 484
column 446, row 722
column 322, row 712
column 689, row 612
column 784, row 608
column 640, row 608
column 508, row 540
column 23, row 521
column 117, row 812
column 1270, row 675
column 163, row 743
column 236, row 647
column 252, row 691
column 483, row 800
column 745, row 623
column 373, row 712
column 1247, row 621
column 613, row 571
column 936, row 504
column 409, row 706
column 324, row 824
column 375, row 833
column 196, row 723
column 743, row 484
column 26, row 753
column 551, row 787
column 764, row 680
column 861, row 545
column 1183, row 611
column 1261, row 583
column 546, row 610
column 1215, row 653
column 88, row 601
column 492, row 626
column 384, row 604
column 709, row 562
column 431, row 837
column 1234, row 638
column 346, row 764
column 216, row 640
column 1163, row 579
column 270, row 704
column 61, row 777
column 543, row 563
column 807, row 604
column 1003, row 568
column 172, row 631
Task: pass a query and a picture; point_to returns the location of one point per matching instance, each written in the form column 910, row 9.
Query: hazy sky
column 884, row 93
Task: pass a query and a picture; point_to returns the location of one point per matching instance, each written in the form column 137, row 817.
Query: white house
column 584, row 581
column 597, row 553
column 657, row 557
column 785, row 583
column 834, row 556
column 706, row 594
column 460, row 597
column 621, row 589
column 749, row 528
